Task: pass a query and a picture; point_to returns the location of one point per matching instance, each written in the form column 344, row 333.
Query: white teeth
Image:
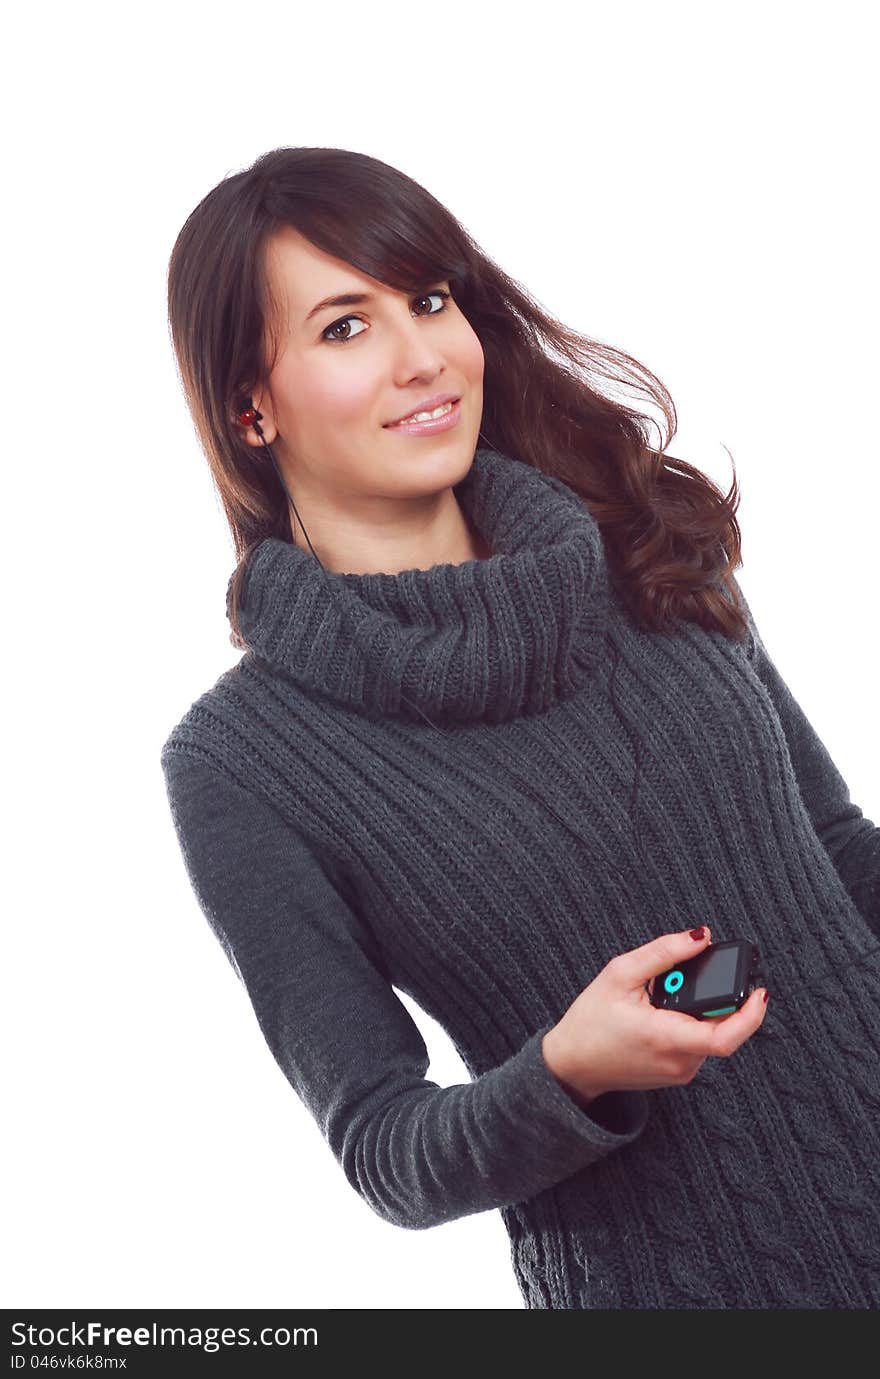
column 427, row 416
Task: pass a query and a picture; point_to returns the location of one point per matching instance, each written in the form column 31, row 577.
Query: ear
column 266, row 420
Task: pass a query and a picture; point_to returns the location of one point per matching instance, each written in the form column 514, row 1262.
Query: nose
column 415, row 355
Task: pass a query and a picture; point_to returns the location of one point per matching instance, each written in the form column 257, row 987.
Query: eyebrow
column 345, row 299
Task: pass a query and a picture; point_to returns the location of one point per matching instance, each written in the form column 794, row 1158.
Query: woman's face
column 340, row 377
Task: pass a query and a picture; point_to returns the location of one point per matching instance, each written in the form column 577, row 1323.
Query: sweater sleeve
column 851, row 840
column 419, row 1154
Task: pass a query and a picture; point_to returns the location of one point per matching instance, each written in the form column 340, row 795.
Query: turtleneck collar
column 486, row 639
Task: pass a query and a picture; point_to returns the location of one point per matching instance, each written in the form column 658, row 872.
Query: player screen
column 716, row 975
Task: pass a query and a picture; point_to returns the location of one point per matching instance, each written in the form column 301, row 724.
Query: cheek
column 349, row 395
column 469, row 358
column 326, row 397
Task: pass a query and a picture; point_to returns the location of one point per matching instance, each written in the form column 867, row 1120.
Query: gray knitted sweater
column 426, row 781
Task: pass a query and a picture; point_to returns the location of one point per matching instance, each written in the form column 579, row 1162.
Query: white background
column 692, row 183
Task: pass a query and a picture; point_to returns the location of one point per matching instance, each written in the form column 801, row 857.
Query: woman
column 505, row 737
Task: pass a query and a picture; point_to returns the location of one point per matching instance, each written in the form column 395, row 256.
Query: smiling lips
column 428, row 405
column 425, row 416
column 443, row 418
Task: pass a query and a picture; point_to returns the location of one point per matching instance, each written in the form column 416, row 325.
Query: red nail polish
column 766, row 995
column 698, row 933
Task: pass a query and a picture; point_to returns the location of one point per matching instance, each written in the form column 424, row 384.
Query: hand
column 612, row 1038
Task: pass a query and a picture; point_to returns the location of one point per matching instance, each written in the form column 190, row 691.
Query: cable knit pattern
column 424, row 781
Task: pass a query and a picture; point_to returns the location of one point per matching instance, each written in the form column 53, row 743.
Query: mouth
column 444, row 417
column 429, row 410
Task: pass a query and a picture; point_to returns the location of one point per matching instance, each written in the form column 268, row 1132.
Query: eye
column 344, row 320
column 337, row 325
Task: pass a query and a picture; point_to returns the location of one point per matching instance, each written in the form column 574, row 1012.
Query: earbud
column 249, row 416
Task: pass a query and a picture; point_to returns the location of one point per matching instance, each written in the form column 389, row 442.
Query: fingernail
column 766, row 996
column 698, row 933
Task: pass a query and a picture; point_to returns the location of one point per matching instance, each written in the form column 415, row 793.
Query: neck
column 446, row 537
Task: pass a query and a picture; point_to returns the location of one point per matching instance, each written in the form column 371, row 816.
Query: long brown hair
column 671, row 538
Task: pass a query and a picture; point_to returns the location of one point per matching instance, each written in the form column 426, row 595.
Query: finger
column 716, row 1037
column 639, row 965
column 726, row 1034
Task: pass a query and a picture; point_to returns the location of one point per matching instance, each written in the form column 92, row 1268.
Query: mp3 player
column 715, row 982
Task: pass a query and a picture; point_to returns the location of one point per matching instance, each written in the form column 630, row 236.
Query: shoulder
column 260, row 734
column 195, row 734
column 249, row 702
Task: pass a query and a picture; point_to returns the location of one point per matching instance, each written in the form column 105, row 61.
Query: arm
column 417, row 1153
column 851, row 840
